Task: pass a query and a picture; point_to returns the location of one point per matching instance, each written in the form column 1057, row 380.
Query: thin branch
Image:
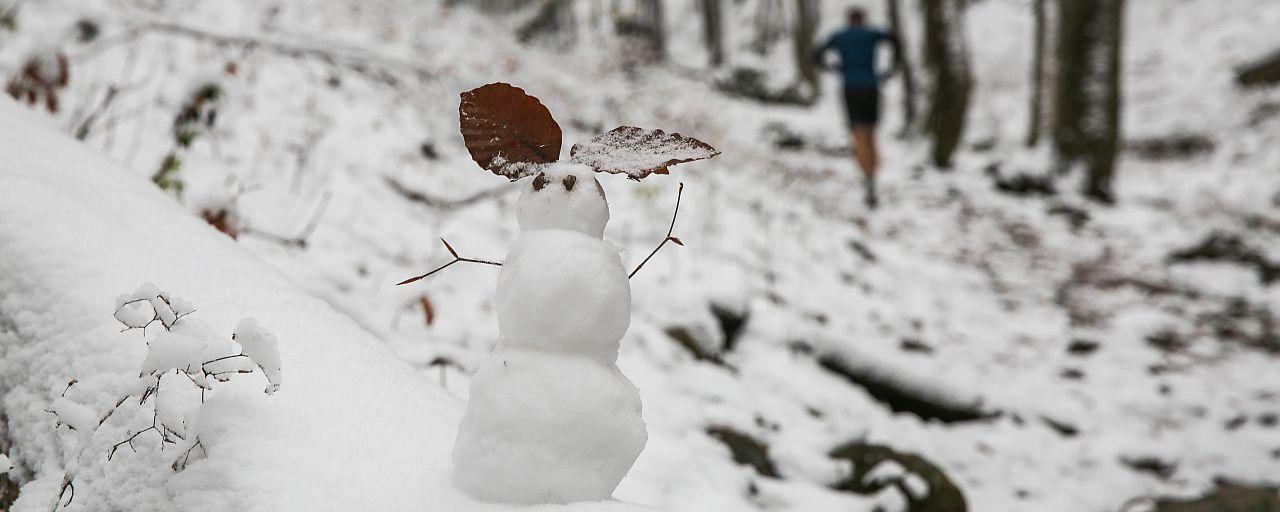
column 371, row 64
column 129, row 441
column 86, row 125
column 456, row 259
column 66, row 484
column 669, row 238
column 442, row 203
column 67, row 476
column 181, row 462
column 299, row 241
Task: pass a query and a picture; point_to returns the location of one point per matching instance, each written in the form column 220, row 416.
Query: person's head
column 856, row 16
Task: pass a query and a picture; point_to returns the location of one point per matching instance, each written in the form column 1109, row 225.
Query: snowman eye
column 569, row 181
column 540, row 181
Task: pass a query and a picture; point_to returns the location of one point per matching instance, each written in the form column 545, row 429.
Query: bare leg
column 859, row 150
column 868, row 159
column 864, row 148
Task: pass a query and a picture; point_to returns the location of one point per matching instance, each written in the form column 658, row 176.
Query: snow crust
column 356, row 429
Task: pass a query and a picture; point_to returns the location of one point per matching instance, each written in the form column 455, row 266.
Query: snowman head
column 513, row 135
column 563, row 196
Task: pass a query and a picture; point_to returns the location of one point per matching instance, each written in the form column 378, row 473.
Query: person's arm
column 820, row 55
column 896, row 45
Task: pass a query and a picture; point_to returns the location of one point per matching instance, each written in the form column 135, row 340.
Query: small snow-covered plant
column 185, row 356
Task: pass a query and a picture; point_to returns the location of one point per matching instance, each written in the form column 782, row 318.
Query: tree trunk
column 1036, row 106
column 946, row 59
column 554, row 22
column 903, row 64
column 806, row 28
column 769, row 21
column 499, row 6
column 713, row 31
column 1086, row 125
column 644, row 23
column 651, row 12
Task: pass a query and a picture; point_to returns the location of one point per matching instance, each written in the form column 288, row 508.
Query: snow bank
column 354, row 429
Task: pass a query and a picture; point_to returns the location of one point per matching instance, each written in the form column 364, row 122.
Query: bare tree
column 903, row 64
column 769, row 25
column 554, row 21
column 1036, row 106
column 647, row 23
column 1086, row 121
column 806, row 27
column 946, row 58
column 713, row 30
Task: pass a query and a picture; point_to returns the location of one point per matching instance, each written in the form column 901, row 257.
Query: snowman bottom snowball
column 547, row 428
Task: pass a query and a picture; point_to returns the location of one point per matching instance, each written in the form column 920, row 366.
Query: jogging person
column 856, row 45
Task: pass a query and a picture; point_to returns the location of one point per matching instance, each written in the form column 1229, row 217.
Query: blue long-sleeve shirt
column 856, row 46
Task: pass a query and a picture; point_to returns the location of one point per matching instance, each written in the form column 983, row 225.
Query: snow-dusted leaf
column 507, row 131
column 637, row 152
column 5, row 465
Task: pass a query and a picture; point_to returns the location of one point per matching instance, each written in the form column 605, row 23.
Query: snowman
column 551, row 418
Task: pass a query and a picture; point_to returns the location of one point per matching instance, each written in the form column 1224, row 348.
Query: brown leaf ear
column 507, row 131
column 639, row 153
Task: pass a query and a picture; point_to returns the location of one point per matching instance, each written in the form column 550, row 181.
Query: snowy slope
column 955, row 289
column 353, row 428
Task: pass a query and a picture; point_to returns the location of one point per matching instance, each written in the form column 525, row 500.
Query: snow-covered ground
column 1064, row 318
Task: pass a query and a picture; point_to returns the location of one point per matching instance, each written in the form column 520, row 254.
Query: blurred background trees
column 759, row 50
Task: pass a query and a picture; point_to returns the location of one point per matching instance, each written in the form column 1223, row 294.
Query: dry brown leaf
column 638, row 152
column 428, row 311
column 507, row 131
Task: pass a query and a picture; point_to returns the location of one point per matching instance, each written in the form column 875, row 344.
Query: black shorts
column 862, row 104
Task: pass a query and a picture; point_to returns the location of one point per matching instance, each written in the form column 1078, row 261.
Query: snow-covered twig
column 669, row 238
column 456, row 259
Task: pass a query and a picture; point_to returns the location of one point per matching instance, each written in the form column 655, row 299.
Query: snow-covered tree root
column 354, row 428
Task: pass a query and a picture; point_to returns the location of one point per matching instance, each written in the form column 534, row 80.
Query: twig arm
column 456, row 258
column 669, row 238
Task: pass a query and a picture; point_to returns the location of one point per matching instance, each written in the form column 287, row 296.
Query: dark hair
column 856, row 15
